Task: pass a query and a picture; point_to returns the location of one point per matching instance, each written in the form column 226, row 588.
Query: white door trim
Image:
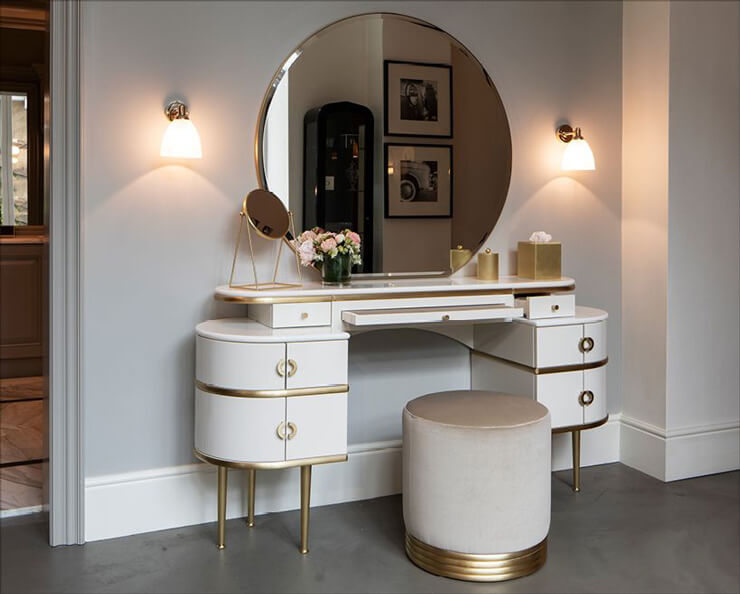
column 66, row 468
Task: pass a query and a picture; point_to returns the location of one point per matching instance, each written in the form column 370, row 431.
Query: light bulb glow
column 181, row 140
column 578, row 156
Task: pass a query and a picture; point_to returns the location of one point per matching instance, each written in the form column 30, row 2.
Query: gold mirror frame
column 296, row 53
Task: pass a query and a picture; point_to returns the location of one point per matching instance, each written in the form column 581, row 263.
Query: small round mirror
column 267, row 214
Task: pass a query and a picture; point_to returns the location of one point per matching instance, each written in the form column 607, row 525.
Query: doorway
column 24, row 257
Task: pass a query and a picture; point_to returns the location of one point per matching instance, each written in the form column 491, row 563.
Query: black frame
column 385, row 99
column 385, row 181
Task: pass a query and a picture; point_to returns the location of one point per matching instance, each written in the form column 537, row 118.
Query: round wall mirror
column 266, row 213
column 387, row 125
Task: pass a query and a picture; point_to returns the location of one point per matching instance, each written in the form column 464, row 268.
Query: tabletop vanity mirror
column 387, row 125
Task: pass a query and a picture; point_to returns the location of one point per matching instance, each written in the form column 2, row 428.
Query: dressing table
column 272, row 387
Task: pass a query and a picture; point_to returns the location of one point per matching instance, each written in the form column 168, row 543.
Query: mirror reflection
column 267, row 214
column 387, row 125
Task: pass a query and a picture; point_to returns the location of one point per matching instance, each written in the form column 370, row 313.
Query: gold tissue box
column 539, row 260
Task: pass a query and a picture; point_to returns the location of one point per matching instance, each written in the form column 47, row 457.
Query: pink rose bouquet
column 316, row 245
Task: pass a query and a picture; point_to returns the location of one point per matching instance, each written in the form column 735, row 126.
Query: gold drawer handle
column 304, row 315
column 586, row 397
column 292, row 367
column 281, row 430
column 446, row 318
column 587, row 344
column 281, row 368
column 555, row 307
column 293, row 430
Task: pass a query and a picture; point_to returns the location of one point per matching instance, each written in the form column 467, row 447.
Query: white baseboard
column 680, row 453
column 162, row 498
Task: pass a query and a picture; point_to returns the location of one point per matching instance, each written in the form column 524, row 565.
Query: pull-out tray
column 431, row 315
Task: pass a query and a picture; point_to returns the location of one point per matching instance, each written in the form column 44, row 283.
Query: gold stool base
column 476, row 568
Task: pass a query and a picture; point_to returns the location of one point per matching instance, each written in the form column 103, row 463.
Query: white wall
column 681, row 238
column 158, row 237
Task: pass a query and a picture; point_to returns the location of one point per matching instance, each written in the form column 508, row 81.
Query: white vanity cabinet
column 560, row 362
column 269, row 398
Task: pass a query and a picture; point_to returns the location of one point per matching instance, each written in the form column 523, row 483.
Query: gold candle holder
column 488, row 265
column 459, row 257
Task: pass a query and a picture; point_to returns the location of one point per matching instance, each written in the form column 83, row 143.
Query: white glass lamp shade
column 578, row 156
column 181, row 140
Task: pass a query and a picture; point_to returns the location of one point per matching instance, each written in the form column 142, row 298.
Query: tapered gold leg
column 576, row 435
column 250, row 500
column 221, row 506
column 305, row 506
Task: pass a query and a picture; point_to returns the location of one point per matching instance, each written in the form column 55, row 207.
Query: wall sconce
column 181, row 139
column 577, row 155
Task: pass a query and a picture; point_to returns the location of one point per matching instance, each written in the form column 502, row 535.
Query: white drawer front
column 594, row 380
column 315, row 364
column 558, row 345
column 239, row 429
column 239, row 365
column 317, row 426
column 559, row 392
column 548, row 306
column 294, row 315
column 597, row 333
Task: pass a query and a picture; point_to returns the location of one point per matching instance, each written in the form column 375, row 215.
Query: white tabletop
column 246, row 330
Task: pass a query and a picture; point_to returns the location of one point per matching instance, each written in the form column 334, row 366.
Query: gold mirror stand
column 258, row 286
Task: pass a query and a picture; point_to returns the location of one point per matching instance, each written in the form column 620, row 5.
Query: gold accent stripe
column 270, row 465
column 289, row 393
column 399, row 295
column 475, row 567
column 545, row 370
column 570, row 428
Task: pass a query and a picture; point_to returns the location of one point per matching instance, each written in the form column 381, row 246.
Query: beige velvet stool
column 476, row 484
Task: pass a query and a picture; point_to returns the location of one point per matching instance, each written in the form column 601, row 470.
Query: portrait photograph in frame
column 418, row 181
column 418, row 99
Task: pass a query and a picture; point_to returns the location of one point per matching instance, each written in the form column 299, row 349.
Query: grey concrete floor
column 625, row 532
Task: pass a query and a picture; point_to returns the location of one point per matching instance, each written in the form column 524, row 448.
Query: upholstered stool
column 476, row 484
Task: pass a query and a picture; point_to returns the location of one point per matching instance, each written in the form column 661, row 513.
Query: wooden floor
column 21, row 442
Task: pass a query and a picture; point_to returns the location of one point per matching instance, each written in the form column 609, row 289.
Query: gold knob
column 304, row 315
column 293, row 430
column 292, row 367
column 586, row 397
column 445, row 317
column 281, row 430
column 281, row 368
column 555, row 307
column 586, row 344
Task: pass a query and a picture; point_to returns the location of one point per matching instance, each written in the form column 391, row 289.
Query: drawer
column 292, row 315
column 558, row 345
column 239, row 429
column 315, row 364
column 317, row 426
column 594, row 381
column 559, row 393
column 239, row 365
column 548, row 306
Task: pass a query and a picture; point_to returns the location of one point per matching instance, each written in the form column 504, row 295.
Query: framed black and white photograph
column 418, row 99
column 418, row 180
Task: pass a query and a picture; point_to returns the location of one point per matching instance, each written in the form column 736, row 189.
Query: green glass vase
column 336, row 270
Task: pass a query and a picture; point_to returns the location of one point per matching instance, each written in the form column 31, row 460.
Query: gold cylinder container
column 459, row 257
column 488, row 265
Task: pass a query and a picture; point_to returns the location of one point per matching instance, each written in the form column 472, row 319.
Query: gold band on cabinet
column 401, row 295
column 474, row 567
column 546, row 370
column 270, row 465
column 289, row 393
column 583, row 427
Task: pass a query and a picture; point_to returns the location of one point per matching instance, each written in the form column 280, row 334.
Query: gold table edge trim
column 287, row 393
column 545, row 370
column 270, row 465
column 583, row 427
column 399, row 295
column 476, row 567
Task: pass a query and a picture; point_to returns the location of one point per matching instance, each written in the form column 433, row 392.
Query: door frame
column 66, row 411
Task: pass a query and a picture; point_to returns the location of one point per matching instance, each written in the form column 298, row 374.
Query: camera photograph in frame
column 418, row 180
column 418, row 99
